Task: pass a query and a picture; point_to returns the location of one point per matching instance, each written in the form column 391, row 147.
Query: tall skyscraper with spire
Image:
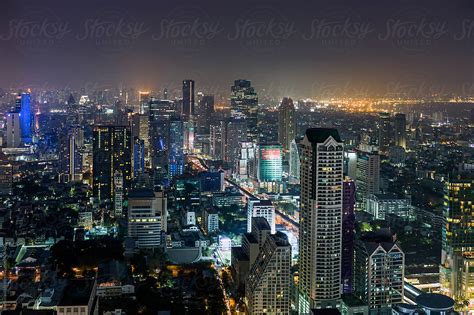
column 321, row 176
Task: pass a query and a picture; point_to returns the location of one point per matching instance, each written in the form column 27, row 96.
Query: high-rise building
column 138, row 156
column 235, row 133
column 204, row 113
column 176, row 148
column 294, row 162
column 367, row 176
column 260, row 208
column 118, row 194
column 147, row 217
column 348, row 233
column 385, row 131
column 217, row 140
column 143, row 102
column 286, row 124
column 457, row 263
column 6, row 178
column 400, row 123
column 13, row 130
column 244, row 104
column 269, row 167
column 246, row 163
column 24, row 109
column 187, row 110
column 111, row 150
column 321, row 155
column 379, row 271
column 74, row 161
column 268, row 286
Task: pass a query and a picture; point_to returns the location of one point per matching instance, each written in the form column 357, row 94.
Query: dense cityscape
column 350, row 194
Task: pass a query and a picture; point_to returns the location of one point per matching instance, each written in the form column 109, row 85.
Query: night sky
column 295, row 48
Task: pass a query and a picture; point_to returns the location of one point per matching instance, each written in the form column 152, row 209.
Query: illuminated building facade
column 269, row 167
column 176, row 148
column 321, row 154
column 367, row 176
column 456, row 271
column 286, row 123
column 267, row 288
column 385, row 131
column 24, row 109
column 111, row 150
column 399, row 124
column 187, row 110
column 244, row 104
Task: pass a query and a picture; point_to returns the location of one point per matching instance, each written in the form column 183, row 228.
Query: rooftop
column 319, row 135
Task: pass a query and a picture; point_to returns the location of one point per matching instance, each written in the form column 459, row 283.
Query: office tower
column 138, row 156
column 140, row 128
column 176, row 147
column 286, row 124
column 147, row 217
column 13, row 130
column 210, row 220
column 118, row 194
column 143, row 103
column 204, row 113
column 379, row 271
column 260, row 208
column 187, row 110
column 294, row 162
column 385, row 131
column 367, row 176
column 244, row 257
column 458, row 238
column 269, row 167
column 6, row 178
column 23, row 106
column 268, row 286
column 350, row 164
column 74, row 157
column 111, row 150
column 380, row 205
column 400, row 123
column 217, row 140
column 321, row 155
column 246, row 162
column 161, row 112
column 235, row 133
column 188, row 136
column 348, row 233
column 244, row 104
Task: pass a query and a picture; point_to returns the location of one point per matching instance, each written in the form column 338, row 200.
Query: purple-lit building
column 348, row 226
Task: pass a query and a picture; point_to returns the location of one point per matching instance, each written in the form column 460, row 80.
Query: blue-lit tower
column 175, row 150
column 24, row 107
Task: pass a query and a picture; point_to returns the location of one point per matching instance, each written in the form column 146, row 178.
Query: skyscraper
column 348, row 233
column 269, row 167
column 13, row 130
column 204, row 114
column 260, row 208
column 244, row 104
column 458, row 238
column 321, row 154
column 367, row 176
column 400, row 122
column 267, row 288
column 235, row 133
column 147, row 217
column 379, row 271
column 217, row 139
column 187, row 110
column 294, row 162
column 286, row 123
column 74, row 154
column 112, row 152
column 25, row 116
column 385, row 130
column 176, row 148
